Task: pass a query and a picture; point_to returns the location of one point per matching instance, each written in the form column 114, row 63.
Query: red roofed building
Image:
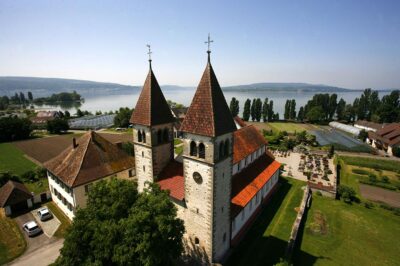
column 224, row 175
column 386, row 138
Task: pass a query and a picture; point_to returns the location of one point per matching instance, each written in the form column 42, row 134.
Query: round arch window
column 197, row 178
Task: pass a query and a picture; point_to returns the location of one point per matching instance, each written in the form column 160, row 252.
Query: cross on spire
column 149, row 53
column 208, row 42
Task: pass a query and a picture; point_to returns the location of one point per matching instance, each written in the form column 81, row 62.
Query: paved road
column 43, row 256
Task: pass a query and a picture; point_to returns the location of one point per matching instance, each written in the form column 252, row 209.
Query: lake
column 106, row 103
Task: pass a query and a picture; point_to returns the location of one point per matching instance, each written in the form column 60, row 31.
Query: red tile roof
column 246, row 141
column 389, row 134
column 369, row 124
column 93, row 158
column 250, row 180
column 171, row 178
column 208, row 114
column 151, row 107
column 13, row 192
column 239, row 121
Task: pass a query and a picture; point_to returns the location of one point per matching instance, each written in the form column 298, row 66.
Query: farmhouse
column 225, row 173
column 87, row 160
column 385, row 138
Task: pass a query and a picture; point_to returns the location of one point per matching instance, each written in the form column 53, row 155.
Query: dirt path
column 379, row 194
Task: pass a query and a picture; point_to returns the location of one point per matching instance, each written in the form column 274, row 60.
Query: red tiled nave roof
column 171, row 178
column 246, row 141
column 250, row 180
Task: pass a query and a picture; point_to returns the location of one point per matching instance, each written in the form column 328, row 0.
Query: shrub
column 40, row 172
column 385, row 179
column 318, row 193
column 348, row 194
column 29, row 176
column 360, row 171
column 4, row 177
column 368, row 205
column 372, row 178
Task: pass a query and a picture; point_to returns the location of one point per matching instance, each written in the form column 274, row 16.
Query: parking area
column 50, row 226
column 35, row 242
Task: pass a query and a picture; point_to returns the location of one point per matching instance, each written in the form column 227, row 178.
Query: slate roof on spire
column 151, row 108
column 92, row 158
column 208, row 114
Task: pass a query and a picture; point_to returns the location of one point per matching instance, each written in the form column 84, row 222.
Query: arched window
column 221, row 150
column 196, row 241
column 226, row 147
column 166, row 135
column 193, row 149
column 144, row 136
column 140, row 139
column 202, row 151
column 159, row 136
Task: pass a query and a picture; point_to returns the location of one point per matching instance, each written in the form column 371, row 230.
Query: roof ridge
column 211, row 89
column 83, row 156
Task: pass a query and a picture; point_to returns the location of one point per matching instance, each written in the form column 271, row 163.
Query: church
column 224, row 175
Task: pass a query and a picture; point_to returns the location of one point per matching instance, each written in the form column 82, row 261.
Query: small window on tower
column 142, row 153
column 139, row 134
column 193, row 148
column 159, row 136
column 144, row 168
column 196, row 241
column 166, row 135
column 202, row 151
column 144, row 136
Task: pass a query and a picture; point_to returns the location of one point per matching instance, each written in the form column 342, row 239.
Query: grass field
column 336, row 233
column 65, row 222
column 388, row 165
column 39, row 186
column 12, row 159
column 266, row 241
column 290, row 127
column 12, row 242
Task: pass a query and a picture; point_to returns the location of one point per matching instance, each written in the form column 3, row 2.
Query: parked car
column 32, row 228
column 44, row 214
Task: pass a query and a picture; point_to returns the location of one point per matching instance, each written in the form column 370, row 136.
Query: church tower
column 152, row 131
column 207, row 165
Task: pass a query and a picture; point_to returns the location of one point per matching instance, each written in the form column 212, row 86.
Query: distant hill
column 41, row 87
column 45, row 86
column 289, row 87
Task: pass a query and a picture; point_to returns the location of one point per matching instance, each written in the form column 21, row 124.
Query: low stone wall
column 295, row 229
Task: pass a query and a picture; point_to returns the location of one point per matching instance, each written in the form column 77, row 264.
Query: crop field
column 340, row 140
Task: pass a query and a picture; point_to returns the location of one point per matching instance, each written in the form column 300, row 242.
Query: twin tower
column 207, row 158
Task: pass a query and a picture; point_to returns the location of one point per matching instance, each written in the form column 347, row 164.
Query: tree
column 271, row 110
column 14, row 128
column 234, row 107
column 121, row 227
column 316, row 114
column 363, row 135
column 349, row 113
column 67, row 114
column 122, row 117
column 246, row 110
column 300, row 115
column 332, row 105
column 340, row 109
column 292, row 111
column 396, row 151
column 79, row 113
column 286, row 114
column 258, row 108
column 265, row 109
column 253, row 110
column 348, row 194
column 389, row 109
column 57, row 125
column 22, row 98
column 331, row 151
column 30, row 96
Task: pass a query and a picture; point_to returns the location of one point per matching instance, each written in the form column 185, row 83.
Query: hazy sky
column 352, row 44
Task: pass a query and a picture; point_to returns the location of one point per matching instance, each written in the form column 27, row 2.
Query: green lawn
column 177, row 141
column 288, row 127
column 266, row 241
column 65, row 222
column 38, row 187
column 179, row 149
column 12, row 159
column 389, row 165
column 336, row 233
column 12, row 242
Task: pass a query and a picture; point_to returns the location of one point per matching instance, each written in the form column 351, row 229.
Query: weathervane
column 208, row 42
column 149, row 53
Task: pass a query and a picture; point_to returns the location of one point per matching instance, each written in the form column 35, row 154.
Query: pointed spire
column 208, row 42
column 151, row 108
column 149, row 53
column 208, row 114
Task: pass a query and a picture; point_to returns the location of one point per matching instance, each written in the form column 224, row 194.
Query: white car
column 32, row 228
column 44, row 214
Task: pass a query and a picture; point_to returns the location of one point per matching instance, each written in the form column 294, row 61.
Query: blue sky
column 352, row 44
